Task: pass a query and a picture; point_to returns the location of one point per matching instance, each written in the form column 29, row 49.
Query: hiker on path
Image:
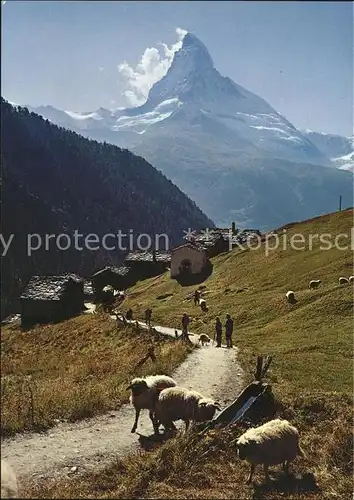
column 185, row 323
column 197, row 294
column 148, row 314
column 129, row 314
column 218, row 332
column 229, row 326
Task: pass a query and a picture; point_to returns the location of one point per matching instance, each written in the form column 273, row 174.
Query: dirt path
column 97, row 441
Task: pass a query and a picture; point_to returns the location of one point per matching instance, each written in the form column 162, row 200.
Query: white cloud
column 153, row 65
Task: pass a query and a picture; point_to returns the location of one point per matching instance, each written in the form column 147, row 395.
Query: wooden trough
column 255, row 402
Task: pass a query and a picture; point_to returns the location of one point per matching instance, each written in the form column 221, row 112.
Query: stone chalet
column 188, row 259
column 148, row 263
column 218, row 240
column 51, row 298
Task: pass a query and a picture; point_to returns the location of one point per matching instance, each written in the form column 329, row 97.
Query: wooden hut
column 147, row 264
column 120, row 278
column 51, row 298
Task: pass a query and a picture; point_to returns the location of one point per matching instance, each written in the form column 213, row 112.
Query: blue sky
column 296, row 55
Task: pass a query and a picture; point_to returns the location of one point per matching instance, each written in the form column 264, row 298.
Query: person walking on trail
column 129, row 314
column 229, row 326
column 196, row 297
column 218, row 332
column 185, row 323
column 148, row 314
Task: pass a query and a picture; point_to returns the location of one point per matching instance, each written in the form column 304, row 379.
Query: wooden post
column 265, row 367
column 150, row 354
column 340, row 203
column 259, row 368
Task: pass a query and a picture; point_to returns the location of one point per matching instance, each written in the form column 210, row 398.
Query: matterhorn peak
column 193, row 50
column 191, row 62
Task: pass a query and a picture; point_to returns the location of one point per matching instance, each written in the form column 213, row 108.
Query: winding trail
column 98, row 441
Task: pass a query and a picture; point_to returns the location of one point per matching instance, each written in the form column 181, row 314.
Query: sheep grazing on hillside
column 276, row 442
column 144, row 393
column 351, row 279
column 290, row 297
column 9, row 486
column 314, row 284
column 343, row 281
column 178, row 403
column 204, row 339
column 203, row 305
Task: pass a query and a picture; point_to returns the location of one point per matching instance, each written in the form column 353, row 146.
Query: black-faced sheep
column 343, row 281
column 204, row 339
column 351, row 279
column 9, row 486
column 178, row 403
column 314, row 284
column 276, row 442
column 290, row 297
column 144, row 393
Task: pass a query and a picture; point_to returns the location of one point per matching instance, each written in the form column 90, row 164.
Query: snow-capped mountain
column 224, row 146
column 345, row 162
column 339, row 149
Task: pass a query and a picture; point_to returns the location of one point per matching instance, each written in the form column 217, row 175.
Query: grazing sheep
column 351, row 279
column 343, row 281
column 178, row 403
column 272, row 443
column 9, row 486
column 203, row 305
column 314, row 284
column 290, row 297
column 204, row 339
column 144, row 393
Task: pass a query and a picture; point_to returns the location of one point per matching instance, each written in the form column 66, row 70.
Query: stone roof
column 48, row 287
column 120, row 271
column 148, row 257
column 210, row 238
column 192, row 245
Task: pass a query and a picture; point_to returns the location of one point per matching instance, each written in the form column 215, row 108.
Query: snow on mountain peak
column 193, row 95
column 191, row 64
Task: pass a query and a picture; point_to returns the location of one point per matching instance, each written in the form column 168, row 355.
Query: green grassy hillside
column 74, row 369
column 311, row 340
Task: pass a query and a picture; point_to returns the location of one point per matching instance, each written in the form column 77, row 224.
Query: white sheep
column 203, row 305
column 144, row 393
column 314, row 284
column 9, row 486
column 204, row 339
column 290, row 297
column 343, row 281
column 178, row 403
column 351, row 279
column 272, row 443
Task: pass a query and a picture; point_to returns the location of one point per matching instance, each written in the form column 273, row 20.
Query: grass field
column 72, row 370
column 311, row 375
